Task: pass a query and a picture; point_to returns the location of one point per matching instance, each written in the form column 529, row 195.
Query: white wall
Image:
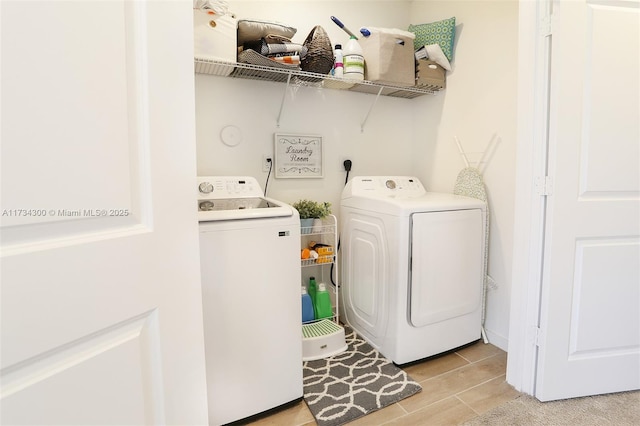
column 401, row 136
column 479, row 101
column 253, row 107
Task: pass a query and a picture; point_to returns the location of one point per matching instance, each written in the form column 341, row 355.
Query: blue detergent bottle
column 323, row 302
column 307, row 306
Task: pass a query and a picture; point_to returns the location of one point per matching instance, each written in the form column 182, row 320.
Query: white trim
column 497, row 340
column 533, row 80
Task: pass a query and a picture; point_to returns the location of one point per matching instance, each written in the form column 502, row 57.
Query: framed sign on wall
column 298, row 156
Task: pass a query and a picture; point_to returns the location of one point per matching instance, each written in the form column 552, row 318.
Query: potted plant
column 310, row 210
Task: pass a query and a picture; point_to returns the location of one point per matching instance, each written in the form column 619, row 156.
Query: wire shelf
column 304, row 78
column 322, row 260
column 317, row 230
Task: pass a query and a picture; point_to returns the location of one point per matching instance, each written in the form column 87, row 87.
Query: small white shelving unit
column 324, row 337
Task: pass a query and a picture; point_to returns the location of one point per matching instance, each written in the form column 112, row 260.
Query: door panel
column 101, row 310
column 605, row 316
column 82, row 73
column 589, row 341
column 124, row 394
column 447, row 263
column 609, row 106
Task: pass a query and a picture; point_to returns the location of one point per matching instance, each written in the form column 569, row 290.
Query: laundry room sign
column 298, row 156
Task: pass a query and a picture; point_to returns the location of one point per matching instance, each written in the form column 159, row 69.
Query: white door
column 590, row 318
column 101, row 305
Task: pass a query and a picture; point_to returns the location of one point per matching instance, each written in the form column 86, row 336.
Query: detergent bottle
column 312, row 289
column 353, row 60
column 338, row 67
column 307, row 306
column 323, row 302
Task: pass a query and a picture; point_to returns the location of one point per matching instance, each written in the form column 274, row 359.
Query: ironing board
column 470, row 184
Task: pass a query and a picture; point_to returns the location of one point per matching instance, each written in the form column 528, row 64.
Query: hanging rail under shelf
column 304, row 78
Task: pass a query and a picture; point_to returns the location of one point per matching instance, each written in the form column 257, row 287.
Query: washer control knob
column 206, row 206
column 205, row 188
column 390, row 184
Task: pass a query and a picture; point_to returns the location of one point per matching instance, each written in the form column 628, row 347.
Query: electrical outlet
column 342, row 160
column 267, row 160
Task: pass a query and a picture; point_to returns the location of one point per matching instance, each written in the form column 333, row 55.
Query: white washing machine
column 412, row 266
column 250, row 265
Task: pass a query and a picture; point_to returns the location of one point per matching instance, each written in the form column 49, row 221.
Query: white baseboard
column 497, row 340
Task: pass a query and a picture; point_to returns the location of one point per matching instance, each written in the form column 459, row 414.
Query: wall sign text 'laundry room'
column 298, row 156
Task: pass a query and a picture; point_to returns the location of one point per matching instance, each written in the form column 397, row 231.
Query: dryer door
column 447, row 257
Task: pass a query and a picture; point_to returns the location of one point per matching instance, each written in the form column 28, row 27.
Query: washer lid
column 236, row 197
column 241, row 208
column 400, row 196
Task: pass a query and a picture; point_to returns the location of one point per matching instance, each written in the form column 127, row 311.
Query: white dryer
column 250, row 265
column 413, row 266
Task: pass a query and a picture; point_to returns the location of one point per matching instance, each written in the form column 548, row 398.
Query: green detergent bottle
column 323, row 302
column 312, row 289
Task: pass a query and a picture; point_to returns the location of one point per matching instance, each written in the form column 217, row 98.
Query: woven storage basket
column 319, row 57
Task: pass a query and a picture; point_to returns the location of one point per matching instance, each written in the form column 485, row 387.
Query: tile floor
column 456, row 387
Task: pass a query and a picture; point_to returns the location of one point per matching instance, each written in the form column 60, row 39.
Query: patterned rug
column 352, row 384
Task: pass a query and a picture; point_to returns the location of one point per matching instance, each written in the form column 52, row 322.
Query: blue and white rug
column 352, row 384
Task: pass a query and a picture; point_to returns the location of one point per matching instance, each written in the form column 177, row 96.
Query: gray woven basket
column 319, row 57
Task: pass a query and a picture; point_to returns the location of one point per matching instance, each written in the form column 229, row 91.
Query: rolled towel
column 270, row 49
column 291, row 60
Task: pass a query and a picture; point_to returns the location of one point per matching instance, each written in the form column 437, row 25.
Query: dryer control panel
column 384, row 186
